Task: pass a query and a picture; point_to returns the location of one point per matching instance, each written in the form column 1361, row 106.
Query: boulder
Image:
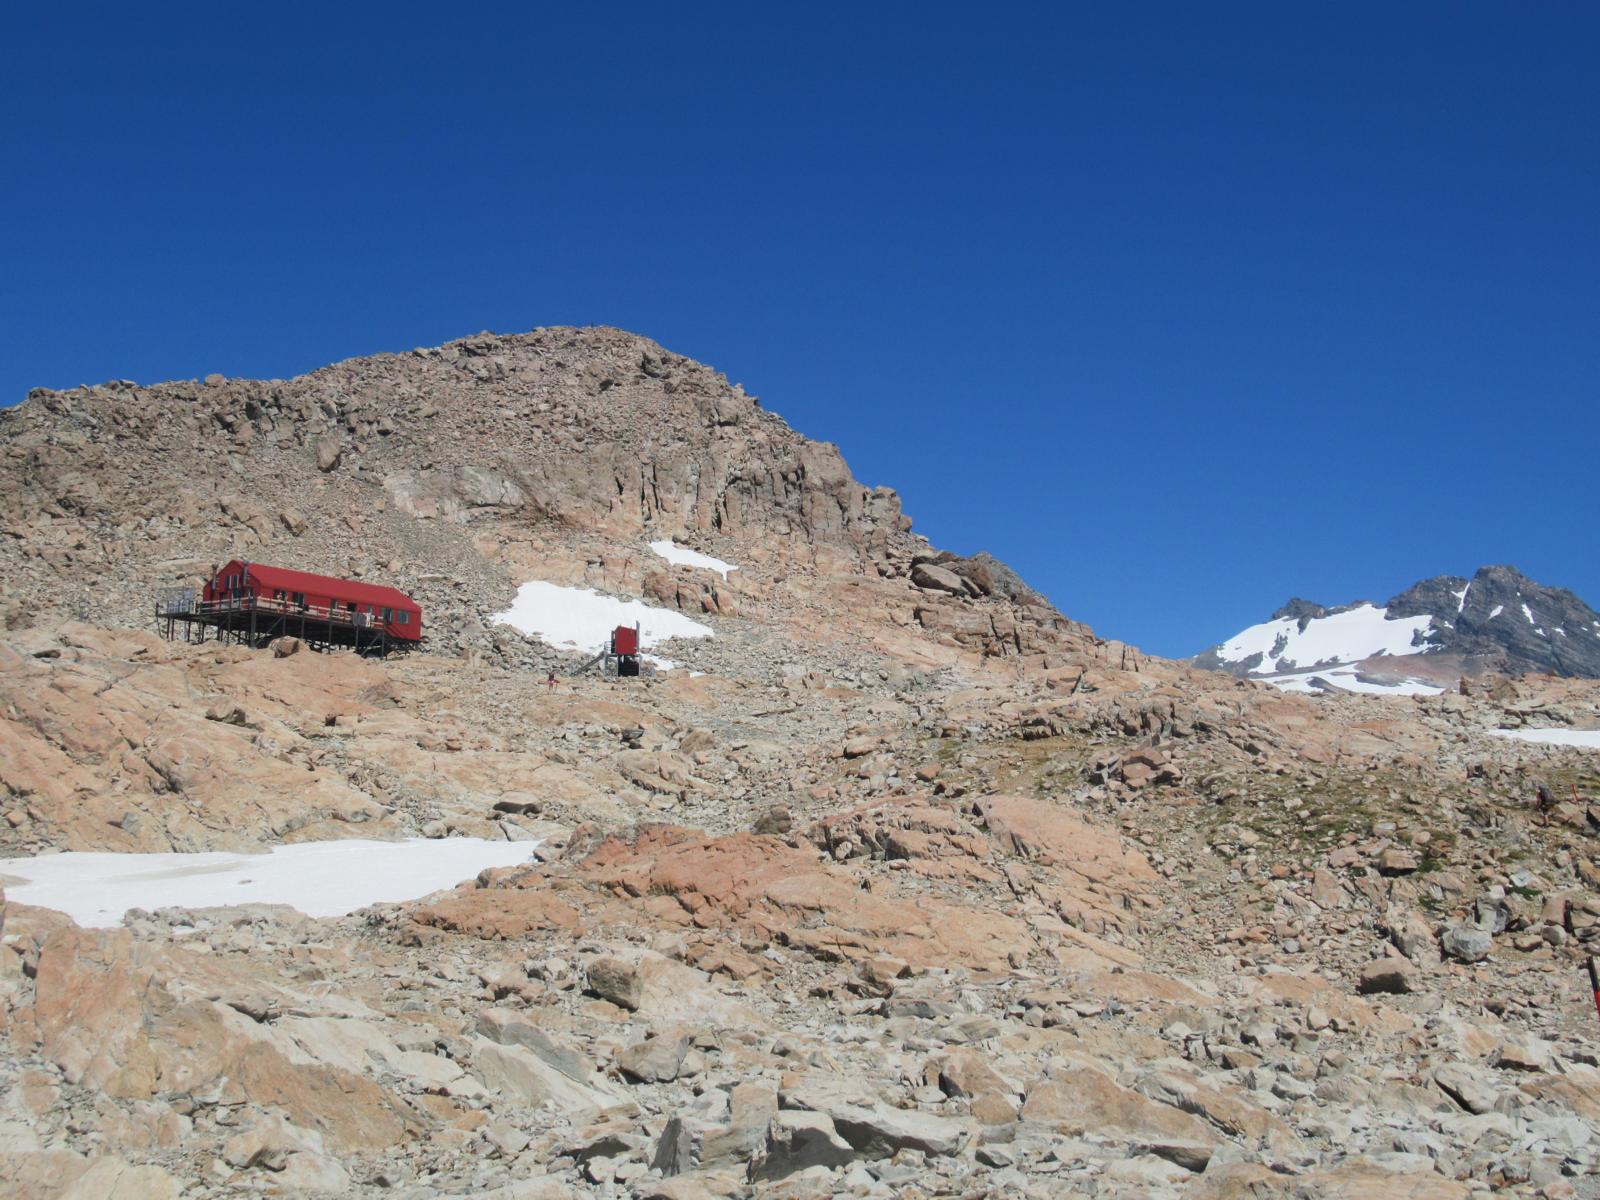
column 674, row 1149
column 664, row 992
column 1395, row 861
column 933, row 578
column 522, row 1076
column 968, row 1073
column 1078, row 1100
column 858, row 747
column 874, row 1129
column 879, row 1130
column 135, row 1020
column 656, row 1059
column 1386, row 975
column 513, row 1027
column 111, row 1178
column 797, row 1141
column 616, row 980
column 329, row 450
column 1466, row 1086
column 1521, row 1052
column 1413, row 937
column 1467, row 943
column 751, row 1106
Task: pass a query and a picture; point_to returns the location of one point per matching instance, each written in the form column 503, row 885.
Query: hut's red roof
column 327, row 585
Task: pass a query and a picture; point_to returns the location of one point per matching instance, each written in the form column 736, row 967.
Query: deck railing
column 184, row 602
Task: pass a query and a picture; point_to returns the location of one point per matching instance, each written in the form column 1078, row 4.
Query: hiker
column 552, row 680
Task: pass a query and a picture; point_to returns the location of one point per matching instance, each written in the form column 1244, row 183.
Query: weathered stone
column 879, row 1130
column 1079, row 1100
column 511, row 1027
column 796, row 1141
column 1467, row 943
column 937, row 578
column 1413, row 937
column 1465, row 1086
column 523, row 1076
column 654, row 1060
column 1521, row 1052
column 616, row 980
column 330, row 449
column 111, row 1178
column 674, row 1151
column 1396, row 975
column 856, row 747
column 1396, row 861
column 966, row 1073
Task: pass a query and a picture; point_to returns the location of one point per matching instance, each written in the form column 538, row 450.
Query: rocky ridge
column 920, row 889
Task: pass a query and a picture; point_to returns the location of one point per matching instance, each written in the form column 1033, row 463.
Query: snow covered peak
column 1469, row 620
column 1290, row 644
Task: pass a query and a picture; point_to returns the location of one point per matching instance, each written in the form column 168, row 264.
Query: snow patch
column 1361, row 632
column 1588, row 739
column 683, row 556
column 1527, row 612
column 1461, row 596
column 1498, row 609
column 320, row 879
column 582, row 619
column 1348, row 679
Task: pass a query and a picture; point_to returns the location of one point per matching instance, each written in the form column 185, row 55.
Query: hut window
column 405, row 617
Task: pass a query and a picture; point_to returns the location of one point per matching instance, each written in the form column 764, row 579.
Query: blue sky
column 1180, row 309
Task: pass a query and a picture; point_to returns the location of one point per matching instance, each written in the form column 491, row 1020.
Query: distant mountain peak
column 1497, row 620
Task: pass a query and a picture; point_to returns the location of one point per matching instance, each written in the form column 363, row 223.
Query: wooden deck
column 256, row 620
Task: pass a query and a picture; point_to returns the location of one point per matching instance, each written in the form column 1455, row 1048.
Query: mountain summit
column 1434, row 630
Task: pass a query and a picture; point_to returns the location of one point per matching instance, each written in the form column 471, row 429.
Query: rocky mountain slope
column 1434, row 631
column 450, row 473
column 906, row 885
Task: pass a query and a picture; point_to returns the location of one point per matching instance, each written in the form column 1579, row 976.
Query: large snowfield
column 571, row 618
column 1347, row 637
column 320, row 879
column 1588, row 739
column 683, row 556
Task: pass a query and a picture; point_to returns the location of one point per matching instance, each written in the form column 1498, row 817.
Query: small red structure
column 620, row 654
column 252, row 604
column 278, row 589
column 625, row 649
